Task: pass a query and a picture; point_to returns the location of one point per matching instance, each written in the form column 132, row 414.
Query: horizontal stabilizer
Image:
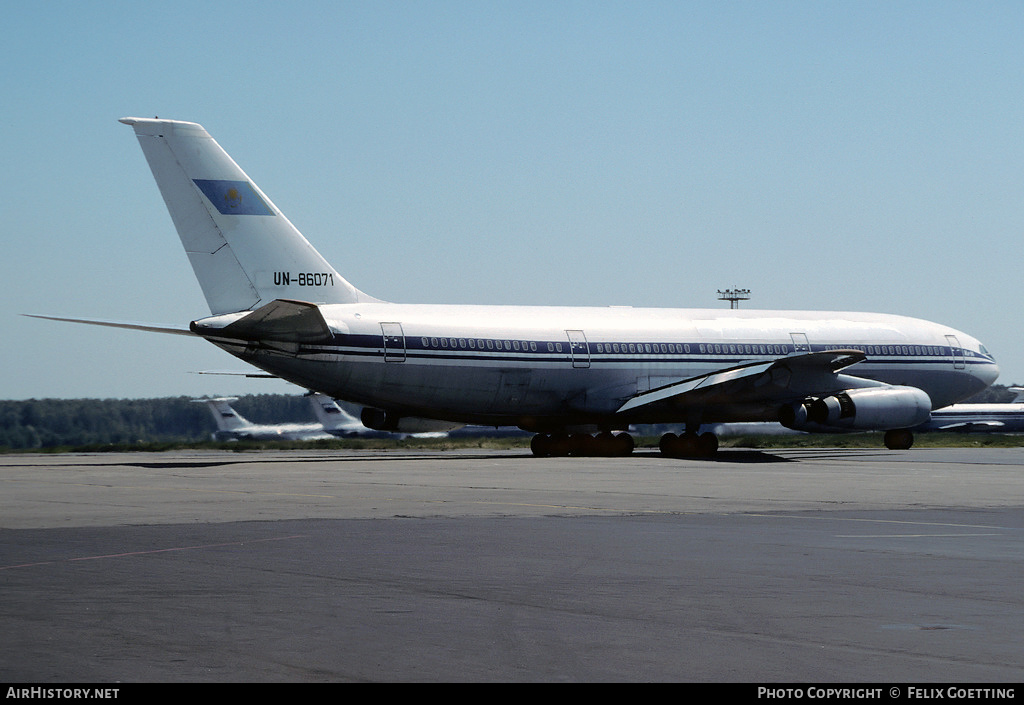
column 282, row 320
column 150, row 327
column 231, row 373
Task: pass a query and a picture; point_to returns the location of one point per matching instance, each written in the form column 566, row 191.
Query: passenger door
column 394, row 342
column 578, row 349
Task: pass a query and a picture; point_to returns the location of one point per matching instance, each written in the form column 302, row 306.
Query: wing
column 756, row 384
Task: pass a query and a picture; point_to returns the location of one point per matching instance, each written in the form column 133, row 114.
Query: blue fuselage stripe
column 561, row 351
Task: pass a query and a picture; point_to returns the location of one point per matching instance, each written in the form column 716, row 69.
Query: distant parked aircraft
column 233, row 426
column 332, row 422
column 979, row 418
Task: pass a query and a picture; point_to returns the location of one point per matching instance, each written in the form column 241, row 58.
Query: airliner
column 232, row 426
column 332, row 422
column 574, row 377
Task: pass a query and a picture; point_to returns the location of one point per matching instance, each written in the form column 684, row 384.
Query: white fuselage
column 546, row 367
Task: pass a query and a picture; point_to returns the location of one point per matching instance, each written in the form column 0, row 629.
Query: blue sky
column 826, row 155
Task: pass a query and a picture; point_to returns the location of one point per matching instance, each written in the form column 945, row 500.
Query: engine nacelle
column 868, row 409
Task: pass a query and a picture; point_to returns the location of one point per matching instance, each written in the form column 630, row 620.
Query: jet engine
column 867, row 409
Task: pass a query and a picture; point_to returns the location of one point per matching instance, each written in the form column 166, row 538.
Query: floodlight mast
column 734, row 296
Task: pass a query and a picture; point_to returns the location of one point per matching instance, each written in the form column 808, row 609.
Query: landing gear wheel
column 540, row 445
column 688, row 445
column 707, row 444
column 624, row 444
column 603, row 445
column 543, row 445
column 899, row 439
column 667, row 443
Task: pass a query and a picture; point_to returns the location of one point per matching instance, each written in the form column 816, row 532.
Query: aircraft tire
column 582, row 445
column 688, row 445
column 707, row 444
column 624, row 444
column 604, row 444
column 667, row 443
column 899, row 439
column 540, row 445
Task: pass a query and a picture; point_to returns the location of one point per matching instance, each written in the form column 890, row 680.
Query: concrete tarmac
column 807, row 566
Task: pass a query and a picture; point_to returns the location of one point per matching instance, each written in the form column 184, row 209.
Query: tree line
column 53, row 423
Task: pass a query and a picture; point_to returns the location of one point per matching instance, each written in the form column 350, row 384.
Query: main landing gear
column 689, row 444
column 604, row 445
column 608, row 445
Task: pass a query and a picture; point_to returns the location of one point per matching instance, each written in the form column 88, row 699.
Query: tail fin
column 226, row 417
column 243, row 250
column 329, row 414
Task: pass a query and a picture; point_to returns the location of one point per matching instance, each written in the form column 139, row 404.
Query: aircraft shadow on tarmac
column 724, row 456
